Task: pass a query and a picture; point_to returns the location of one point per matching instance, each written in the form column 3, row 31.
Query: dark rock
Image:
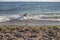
column 21, row 31
column 33, row 36
column 11, row 39
column 18, row 35
column 26, row 29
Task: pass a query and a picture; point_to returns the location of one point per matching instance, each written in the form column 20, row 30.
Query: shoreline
column 31, row 22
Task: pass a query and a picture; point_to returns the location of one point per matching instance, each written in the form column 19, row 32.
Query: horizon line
column 29, row 1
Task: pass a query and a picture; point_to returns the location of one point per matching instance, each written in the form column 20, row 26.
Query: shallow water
column 32, row 23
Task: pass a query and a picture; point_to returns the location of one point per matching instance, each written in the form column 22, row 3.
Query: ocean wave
column 8, row 17
column 33, row 17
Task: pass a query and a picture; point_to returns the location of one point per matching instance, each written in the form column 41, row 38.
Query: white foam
column 34, row 17
column 3, row 18
column 8, row 17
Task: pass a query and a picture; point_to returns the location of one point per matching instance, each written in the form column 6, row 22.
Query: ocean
column 30, row 7
column 35, row 11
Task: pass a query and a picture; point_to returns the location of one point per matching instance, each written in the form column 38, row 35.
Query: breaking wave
column 54, row 17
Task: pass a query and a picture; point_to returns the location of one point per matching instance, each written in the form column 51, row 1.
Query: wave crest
column 34, row 17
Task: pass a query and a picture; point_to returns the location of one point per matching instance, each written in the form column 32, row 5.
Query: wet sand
column 31, row 22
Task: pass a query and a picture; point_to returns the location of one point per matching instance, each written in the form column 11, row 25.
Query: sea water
column 35, row 10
